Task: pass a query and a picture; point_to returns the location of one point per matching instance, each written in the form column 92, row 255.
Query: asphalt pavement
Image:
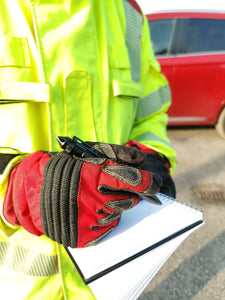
column 196, row 270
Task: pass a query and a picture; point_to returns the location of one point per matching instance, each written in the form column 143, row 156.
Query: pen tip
column 62, row 140
column 153, row 199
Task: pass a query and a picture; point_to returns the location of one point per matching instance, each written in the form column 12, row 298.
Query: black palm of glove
column 151, row 162
column 159, row 165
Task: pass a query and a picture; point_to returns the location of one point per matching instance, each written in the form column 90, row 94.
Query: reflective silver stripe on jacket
column 153, row 102
column 149, row 136
column 26, row 261
column 134, row 23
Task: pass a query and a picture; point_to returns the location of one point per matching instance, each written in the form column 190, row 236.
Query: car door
column 199, row 72
column 193, row 63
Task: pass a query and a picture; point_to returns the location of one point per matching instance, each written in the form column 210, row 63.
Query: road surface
column 196, row 270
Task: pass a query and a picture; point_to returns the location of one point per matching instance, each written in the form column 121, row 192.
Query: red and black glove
column 143, row 158
column 74, row 201
column 157, row 164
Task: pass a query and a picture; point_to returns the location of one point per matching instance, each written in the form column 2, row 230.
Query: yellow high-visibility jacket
column 70, row 67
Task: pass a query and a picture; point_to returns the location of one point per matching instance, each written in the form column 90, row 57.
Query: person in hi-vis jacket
column 74, row 68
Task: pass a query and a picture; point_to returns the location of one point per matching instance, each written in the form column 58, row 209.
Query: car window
column 205, row 35
column 161, row 32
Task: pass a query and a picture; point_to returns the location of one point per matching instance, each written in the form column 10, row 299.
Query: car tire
column 220, row 125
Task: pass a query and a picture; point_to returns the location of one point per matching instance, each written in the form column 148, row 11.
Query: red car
column 190, row 47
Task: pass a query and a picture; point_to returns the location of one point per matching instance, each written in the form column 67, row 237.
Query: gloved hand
column 157, row 164
column 143, row 158
column 74, row 201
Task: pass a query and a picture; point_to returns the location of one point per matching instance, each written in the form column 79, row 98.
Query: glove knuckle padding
column 126, row 174
column 58, row 203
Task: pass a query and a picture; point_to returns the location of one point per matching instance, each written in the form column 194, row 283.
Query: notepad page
column 129, row 281
column 144, row 281
column 139, row 227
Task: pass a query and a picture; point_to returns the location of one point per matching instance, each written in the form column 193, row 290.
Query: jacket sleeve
column 150, row 126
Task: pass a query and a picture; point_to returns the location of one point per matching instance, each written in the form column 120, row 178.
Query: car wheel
column 220, row 125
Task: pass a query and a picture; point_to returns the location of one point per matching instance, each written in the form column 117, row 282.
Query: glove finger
column 160, row 165
column 168, row 189
column 99, row 238
column 106, row 149
column 109, row 218
column 129, row 180
column 120, row 153
column 154, row 188
column 134, row 178
column 121, row 205
column 128, row 155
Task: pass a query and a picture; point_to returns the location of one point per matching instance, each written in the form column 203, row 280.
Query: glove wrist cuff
column 141, row 147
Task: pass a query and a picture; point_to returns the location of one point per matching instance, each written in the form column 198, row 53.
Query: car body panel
column 197, row 79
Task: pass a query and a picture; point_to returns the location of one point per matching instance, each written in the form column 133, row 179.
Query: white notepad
column 129, row 281
column 147, row 232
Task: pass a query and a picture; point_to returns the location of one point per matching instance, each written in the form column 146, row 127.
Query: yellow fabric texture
column 65, row 70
